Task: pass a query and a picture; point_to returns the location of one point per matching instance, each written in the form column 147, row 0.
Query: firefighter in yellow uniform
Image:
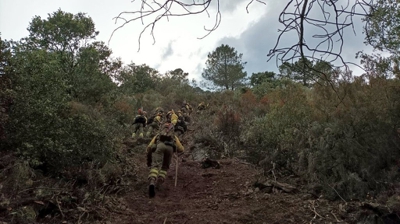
column 159, row 154
column 139, row 123
column 154, row 123
column 172, row 117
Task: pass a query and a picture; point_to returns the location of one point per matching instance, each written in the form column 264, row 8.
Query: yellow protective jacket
column 154, row 141
column 158, row 119
column 174, row 118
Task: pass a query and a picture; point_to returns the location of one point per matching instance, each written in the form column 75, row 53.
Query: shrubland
column 67, row 106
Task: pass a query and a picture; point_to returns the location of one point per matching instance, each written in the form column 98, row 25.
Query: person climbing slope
column 154, row 123
column 159, row 154
column 139, row 123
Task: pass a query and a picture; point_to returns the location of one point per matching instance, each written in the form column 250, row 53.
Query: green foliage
column 55, row 69
column 305, row 71
column 382, row 26
column 224, row 68
column 178, row 75
column 89, row 82
column 136, row 79
column 264, row 82
column 41, row 129
column 7, row 94
column 382, row 33
column 339, row 134
column 261, row 77
column 61, row 31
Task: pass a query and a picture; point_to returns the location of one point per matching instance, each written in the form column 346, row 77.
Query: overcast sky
column 177, row 40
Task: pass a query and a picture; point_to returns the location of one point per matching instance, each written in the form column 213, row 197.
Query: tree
column 261, row 77
column 6, row 91
column 64, row 33
column 137, row 78
column 60, row 77
column 300, row 71
column 264, row 82
column 383, row 34
column 224, row 68
column 86, row 64
column 178, row 75
column 382, row 30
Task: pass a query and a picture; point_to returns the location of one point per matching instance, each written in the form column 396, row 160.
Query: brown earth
column 227, row 195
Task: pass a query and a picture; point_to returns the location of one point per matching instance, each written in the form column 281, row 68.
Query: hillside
column 236, row 192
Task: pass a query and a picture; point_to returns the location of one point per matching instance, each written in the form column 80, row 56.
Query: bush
column 344, row 140
column 73, row 141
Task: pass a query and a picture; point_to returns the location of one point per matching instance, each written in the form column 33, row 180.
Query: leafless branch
column 156, row 10
column 330, row 17
column 297, row 17
column 247, row 7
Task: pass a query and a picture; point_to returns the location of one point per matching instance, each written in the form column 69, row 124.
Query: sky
column 178, row 40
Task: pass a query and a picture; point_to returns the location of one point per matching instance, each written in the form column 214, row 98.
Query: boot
column 148, row 134
column 160, row 181
column 152, row 188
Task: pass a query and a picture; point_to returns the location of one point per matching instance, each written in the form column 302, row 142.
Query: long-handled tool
column 176, row 168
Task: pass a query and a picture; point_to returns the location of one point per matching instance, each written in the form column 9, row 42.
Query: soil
column 226, row 195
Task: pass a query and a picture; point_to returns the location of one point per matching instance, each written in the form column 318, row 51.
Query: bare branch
column 247, row 7
column 297, row 18
column 156, row 11
column 337, row 15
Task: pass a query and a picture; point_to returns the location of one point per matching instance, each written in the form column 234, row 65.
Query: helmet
column 141, row 111
column 159, row 109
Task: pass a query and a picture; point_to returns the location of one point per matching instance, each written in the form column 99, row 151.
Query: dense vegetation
column 66, row 105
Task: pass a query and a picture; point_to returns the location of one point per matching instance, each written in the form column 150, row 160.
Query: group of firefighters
column 166, row 131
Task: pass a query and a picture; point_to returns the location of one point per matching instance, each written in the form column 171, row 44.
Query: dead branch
column 337, row 220
column 328, row 44
column 312, row 208
column 156, row 11
column 59, row 207
column 338, row 194
column 184, row 186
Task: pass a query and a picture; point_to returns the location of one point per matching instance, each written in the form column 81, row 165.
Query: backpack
column 181, row 125
column 151, row 119
column 140, row 119
column 166, row 134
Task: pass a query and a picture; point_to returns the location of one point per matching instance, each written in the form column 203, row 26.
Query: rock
column 207, row 163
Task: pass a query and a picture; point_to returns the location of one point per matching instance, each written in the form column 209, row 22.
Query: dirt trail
column 224, row 195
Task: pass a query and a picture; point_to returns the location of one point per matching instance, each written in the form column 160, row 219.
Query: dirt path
column 224, row 195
